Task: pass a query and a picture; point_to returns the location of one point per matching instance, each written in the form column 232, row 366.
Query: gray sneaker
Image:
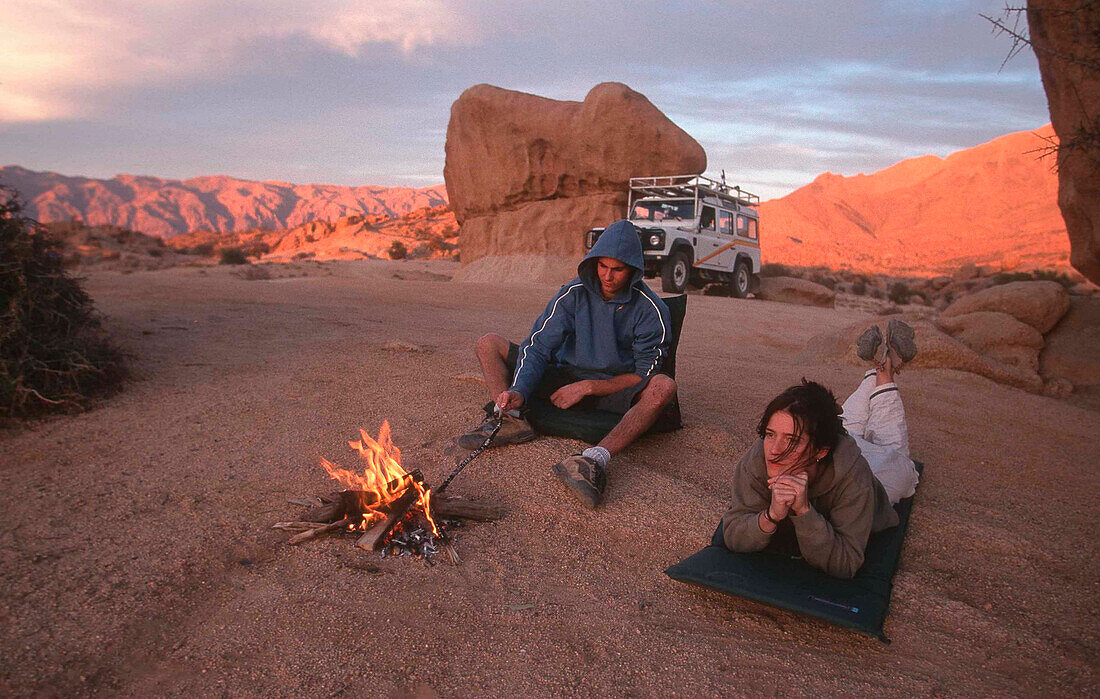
column 899, row 337
column 513, row 430
column 868, row 343
column 584, row 477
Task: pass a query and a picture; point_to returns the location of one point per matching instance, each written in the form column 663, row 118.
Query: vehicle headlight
column 654, row 240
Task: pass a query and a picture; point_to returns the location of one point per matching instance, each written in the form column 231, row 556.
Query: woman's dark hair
column 815, row 412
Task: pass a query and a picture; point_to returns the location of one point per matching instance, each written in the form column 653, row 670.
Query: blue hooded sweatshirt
column 599, row 339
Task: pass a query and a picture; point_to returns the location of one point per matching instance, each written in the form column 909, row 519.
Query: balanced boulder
column 529, row 175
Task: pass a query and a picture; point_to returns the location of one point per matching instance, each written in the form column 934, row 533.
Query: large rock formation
column 1064, row 35
column 528, row 175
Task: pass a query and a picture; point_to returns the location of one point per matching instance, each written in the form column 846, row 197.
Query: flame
column 383, row 479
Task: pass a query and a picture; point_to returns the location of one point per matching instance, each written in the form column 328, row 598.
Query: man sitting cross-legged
column 599, row 344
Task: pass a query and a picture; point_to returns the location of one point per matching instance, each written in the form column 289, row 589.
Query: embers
column 419, row 543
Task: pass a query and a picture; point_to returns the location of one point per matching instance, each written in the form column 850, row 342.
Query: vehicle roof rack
column 686, row 187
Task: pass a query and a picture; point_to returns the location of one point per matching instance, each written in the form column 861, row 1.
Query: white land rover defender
column 695, row 230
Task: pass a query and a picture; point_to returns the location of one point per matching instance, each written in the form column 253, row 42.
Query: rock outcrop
column 1040, row 304
column 528, row 175
column 937, row 349
column 1071, row 348
column 795, row 290
column 998, row 336
column 1064, row 35
column 552, row 270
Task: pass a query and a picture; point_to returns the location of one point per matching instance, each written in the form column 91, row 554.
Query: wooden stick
column 297, row 526
column 450, row 549
column 457, row 508
column 372, row 539
column 306, row 536
column 306, row 502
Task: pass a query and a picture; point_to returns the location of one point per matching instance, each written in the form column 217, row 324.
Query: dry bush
column 398, row 251
column 53, row 355
column 233, row 256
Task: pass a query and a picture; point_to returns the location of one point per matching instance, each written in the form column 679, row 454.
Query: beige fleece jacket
column 847, row 503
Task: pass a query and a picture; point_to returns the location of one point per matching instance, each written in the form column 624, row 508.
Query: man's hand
column 569, row 395
column 791, row 489
column 509, row 400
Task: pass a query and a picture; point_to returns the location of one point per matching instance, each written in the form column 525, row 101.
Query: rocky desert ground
column 137, row 555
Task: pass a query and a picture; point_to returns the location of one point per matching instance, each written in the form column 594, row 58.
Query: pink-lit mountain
column 994, row 203
column 166, row 208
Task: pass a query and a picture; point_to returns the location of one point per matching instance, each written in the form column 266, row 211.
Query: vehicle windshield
column 663, row 210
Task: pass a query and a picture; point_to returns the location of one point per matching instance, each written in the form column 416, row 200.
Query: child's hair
column 815, row 412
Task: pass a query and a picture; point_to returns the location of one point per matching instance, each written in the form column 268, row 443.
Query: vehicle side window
column 706, row 220
column 725, row 221
column 746, row 227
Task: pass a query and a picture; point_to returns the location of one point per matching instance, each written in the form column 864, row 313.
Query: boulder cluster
column 1033, row 335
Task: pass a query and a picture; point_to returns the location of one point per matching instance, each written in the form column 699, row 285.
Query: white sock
column 599, row 455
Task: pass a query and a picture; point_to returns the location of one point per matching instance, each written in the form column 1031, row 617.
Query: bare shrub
column 53, row 355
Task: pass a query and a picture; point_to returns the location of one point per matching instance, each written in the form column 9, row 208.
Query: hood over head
column 620, row 241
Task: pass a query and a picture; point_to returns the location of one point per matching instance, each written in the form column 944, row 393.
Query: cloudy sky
column 346, row 92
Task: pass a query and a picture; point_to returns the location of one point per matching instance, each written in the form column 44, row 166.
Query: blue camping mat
column 790, row 583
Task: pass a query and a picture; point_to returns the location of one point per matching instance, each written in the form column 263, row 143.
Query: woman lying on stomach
column 806, row 487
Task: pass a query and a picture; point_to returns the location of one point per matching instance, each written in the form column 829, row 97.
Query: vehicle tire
column 741, row 281
column 676, row 272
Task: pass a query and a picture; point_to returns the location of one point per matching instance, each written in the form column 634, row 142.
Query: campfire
column 389, row 509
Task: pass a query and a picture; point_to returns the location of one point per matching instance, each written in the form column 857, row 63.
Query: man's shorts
column 556, row 376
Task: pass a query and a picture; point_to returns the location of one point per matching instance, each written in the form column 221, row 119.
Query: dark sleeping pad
column 790, row 583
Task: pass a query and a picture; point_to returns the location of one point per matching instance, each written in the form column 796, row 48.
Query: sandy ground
column 137, row 559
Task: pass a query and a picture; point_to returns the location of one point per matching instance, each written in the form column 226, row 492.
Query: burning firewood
column 358, row 501
column 389, row 507
column 372, row 539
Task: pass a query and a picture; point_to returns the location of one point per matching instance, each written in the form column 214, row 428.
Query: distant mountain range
column 993, row 203
column 166, row 208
